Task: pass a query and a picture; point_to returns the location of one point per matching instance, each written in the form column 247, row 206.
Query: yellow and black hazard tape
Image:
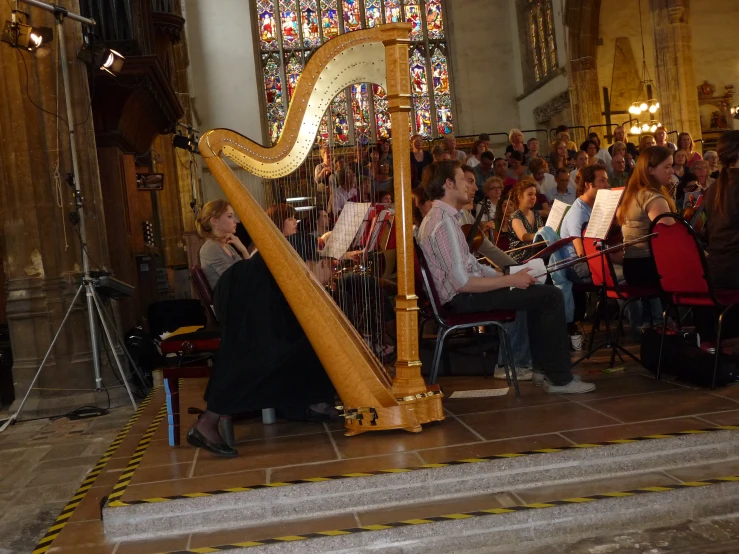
column 457, row 517
column 46, row 541
column 120, row 504
column 125, row 478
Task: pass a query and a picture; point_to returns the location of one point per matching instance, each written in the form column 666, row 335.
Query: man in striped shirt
column 465, row 286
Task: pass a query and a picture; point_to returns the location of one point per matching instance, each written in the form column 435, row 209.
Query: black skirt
column 265, row 359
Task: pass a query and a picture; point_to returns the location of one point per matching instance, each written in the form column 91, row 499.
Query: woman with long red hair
column 646, row 196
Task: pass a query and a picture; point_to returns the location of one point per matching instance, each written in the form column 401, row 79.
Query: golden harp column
column 408, row 380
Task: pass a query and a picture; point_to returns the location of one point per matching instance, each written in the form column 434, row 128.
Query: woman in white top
column 478, row 147
column 222, row 248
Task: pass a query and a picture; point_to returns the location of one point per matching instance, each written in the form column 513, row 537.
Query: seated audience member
column 603, row 156
column 681, row 176
column 619, row 135
column 563, row 191
column 386, row 156
column 379, row 172
column 465, row 286
column 283, row 372
column 525, row 221
column 581, row 160
column 646, row 141
column 222, row 248
column 620, row 148
column 618, row 176
column 500, row 168
column 712, row 158
column 722, row 208
column 646, row 196
column 545, row 183
column 487, row 248
column 533, row 146
column 323, row 170
column 343, row 190
column 365, row 192
column 516, row 167
column 283, row 216
column 517, row 145
column 559, row 158
column 562, row 133
column 439, row 153
column 660, row 139
column 702, row 174
column 591, row 148
column 492, row 189
column 484, row 170
column 420, row 158
column 485, row 138
column 478, row 147
column 385, row 197
column 450, row 144
column 319, row 226
column 685, row 143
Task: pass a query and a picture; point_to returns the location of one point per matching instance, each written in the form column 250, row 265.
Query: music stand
column 88, row 281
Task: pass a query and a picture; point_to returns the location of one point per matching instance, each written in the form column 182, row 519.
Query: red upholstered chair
column 448, row 322
column 604, row 276
column 684, row 276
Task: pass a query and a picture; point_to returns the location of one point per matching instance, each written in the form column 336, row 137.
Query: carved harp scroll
column 371, row 401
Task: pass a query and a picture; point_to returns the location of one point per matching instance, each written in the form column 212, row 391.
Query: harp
column 372, row 400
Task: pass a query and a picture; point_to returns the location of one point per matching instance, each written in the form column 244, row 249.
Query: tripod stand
column 88, row 282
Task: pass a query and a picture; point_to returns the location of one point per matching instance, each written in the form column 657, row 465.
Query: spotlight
column 19, row 34
column 101, row 57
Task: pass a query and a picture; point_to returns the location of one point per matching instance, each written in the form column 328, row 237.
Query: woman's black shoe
column 195, row 438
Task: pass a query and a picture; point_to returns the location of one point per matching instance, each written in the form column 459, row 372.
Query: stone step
column 325, row 497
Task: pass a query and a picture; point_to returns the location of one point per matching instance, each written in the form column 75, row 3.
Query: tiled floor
column 626, row 404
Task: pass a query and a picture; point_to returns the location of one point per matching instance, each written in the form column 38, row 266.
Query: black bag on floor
column 683, row 359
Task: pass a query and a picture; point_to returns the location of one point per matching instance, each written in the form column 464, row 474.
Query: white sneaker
column 538, row 379
column 576, row 386
column 522, row 373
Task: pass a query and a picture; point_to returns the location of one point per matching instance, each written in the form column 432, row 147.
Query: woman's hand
column 234, row 241
column 490, row 225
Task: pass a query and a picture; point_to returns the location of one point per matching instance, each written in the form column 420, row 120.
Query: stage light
column 101, row 57
column 19, row 34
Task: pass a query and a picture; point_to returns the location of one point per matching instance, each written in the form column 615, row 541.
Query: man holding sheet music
column 465, row 286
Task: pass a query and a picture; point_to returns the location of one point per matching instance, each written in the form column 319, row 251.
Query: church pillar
column 582, row 19
column 676, row 88
column 41, row 252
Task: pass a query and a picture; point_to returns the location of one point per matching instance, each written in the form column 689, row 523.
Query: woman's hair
column 488, row 185
column 419, row 199
column 563, row 137
column 680, row 153
column 213, row 209
column 538, row 164
column 586, row 144
column 521, row 186
column 619, row 147
column 475, row 146
column 641, row 179
column 514, row 132
column 506, row 199
column 680, row 139
column 381, row 193
column 642, row 140
column 710, row 154
column 436, row 175
column 594, row 138
column 728, row 154
column 438, row 150
column 278, row 213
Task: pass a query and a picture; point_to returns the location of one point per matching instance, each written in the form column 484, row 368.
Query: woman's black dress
column 265, row 359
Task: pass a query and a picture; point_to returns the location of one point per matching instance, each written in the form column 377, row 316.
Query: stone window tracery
column 291, row 30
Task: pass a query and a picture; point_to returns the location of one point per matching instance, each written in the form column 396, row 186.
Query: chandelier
column 645, row 106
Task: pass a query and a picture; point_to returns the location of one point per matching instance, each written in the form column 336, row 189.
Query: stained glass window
column 291, row 30
column 540, row 32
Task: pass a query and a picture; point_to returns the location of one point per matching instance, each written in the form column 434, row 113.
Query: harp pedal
column 360, row 414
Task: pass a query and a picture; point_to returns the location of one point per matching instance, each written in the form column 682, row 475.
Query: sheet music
column 556, row 215
column 346, row 229
column 604, row 210
column 377, row 226
column 481, row 393
column 536, row 266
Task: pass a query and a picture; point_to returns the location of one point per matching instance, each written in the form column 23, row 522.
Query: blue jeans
column 518, row 332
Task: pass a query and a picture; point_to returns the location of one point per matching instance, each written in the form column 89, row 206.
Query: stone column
column 41, row 251
column 582, row 18
column 673, row 46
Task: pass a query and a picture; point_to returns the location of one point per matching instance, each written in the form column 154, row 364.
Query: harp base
column 409, row 414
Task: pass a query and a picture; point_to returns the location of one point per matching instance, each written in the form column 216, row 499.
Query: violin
column 473, row 233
